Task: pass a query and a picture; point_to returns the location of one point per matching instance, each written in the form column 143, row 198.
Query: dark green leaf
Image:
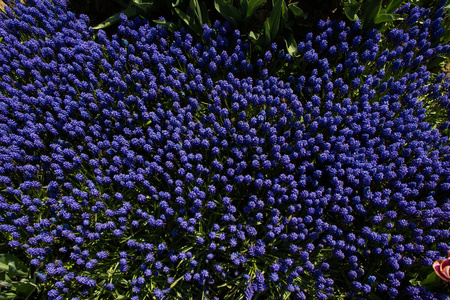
column 432, row 279
column 141, row 5
column 193, row 4
column 204, row 13
column 267, row 32
column 274, row 18
column 190, row 21
column 14, row 265
column 26, row 289
column 351, row 11
column 436, row 62
column 384, row 18
column 229, row 12
column 393, row 5
column 168, row 25
column 244, row 8
column 186, row 18
column 297, row 11
column 253, row 5
column 130, row 11
column 370, row 11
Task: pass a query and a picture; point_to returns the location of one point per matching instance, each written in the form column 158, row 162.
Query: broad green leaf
column 244, row 7
column 297, row 11
column 432, row 279
column 186, row 18
column 284, row 12
column 274, row 18
column 229, row 12
column 384, row 18
column 3, row 267
column 267, row 32
column 130, row 11
column 195, row 27
column 14, row 265
column 169, row 26
column 393, row 5
column 205, row 14
column 437, row 61
column 291, row 44
column 193, row 4
column 253, row 5
column 351, row 11
column 370, row 10
column 26, row 288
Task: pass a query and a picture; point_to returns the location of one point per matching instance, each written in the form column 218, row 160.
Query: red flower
column 442, row 268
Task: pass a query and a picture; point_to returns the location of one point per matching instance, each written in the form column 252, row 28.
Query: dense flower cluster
column 149, row 164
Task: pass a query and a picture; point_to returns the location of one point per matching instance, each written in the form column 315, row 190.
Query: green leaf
column 176, row 3
column 26, row 289
column 130, row 11
column 186, row 18
column 297, row 11
column 351, row 10
column 253, row 5
column 229, row 12
column 168, row 25
column 244, row 7
column 13, row 265
column 193, row 4
column 370, row 10
column 384, row 18
column 204, row 13
column 274, row 18
column 143, row 6
column 393, row 5
column 253, row 36
column 267, row 38
column 432, row 279
column 6, row 296
column 291, row 44
column 437, row 61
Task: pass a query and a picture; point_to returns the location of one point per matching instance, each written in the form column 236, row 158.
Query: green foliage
column 134, row 8
column 372, row 13
column 196, row 15
column 445, row 39
column 278, row 26
column 238, row 15
column 15, row 282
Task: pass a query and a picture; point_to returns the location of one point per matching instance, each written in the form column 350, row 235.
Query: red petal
column 445, row 269
column 437, row 269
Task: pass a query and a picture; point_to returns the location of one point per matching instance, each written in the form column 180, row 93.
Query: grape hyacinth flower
column 184, row 166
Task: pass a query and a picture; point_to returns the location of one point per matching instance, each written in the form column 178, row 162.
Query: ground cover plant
column 148, row 165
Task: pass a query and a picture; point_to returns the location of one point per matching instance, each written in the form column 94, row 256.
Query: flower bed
column 147, row 165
